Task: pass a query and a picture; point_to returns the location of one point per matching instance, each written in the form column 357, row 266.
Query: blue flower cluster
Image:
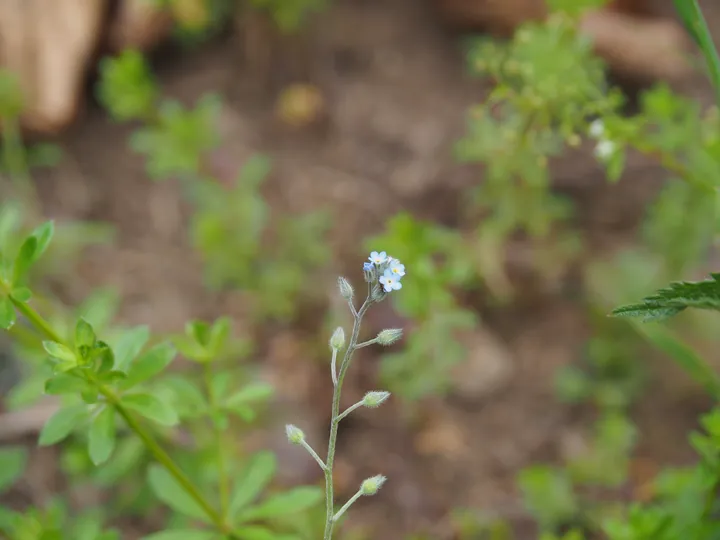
column 389, row 270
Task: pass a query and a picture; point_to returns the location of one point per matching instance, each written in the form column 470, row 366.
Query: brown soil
column 396, row 100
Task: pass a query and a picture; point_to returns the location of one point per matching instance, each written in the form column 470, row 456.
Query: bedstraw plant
column 383, row 275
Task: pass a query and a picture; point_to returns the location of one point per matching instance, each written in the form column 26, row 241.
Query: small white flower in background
column 390, row 282
column 605, row 149
column 597, row 129
column 378, row 258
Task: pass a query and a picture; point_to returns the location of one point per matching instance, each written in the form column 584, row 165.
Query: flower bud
column 346, row 290
column 375, row 399
column 378, row 294
column 389, row 336
column 369, row 272
column 294, row 434
column 372, row 485
column 337, row 341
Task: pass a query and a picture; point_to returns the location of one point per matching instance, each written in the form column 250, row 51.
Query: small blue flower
column 378, row 258
column 390, row 282
column 367, row 267
column 397, row 269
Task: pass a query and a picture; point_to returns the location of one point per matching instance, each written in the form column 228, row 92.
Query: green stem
column 329, row 494
column 151, row 444
column 220, row 456
column 350, row 409
column 347, row 505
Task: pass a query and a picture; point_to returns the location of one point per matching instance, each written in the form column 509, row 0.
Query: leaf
column 254, row 478
column 7, row 313
column 101, row 438
column 59, row 351
column 21, row 294
column 674, row 298
column 183, row 534
column 43, row 235
column 256, row 533
column 249, row 394
column 169, row 491
column 295, row 500
column 129, row 346
column 12, row 465
column 65, row 384
column 149, row 364
column 151, row 407
column 218, row 335
column 61, row 424
column 24, row 259
column 84, row 334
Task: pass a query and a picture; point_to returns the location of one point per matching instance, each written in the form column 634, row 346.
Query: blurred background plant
column 550, row 98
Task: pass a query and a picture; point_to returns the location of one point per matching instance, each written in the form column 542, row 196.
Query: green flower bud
column 375, row 399
column 346, row 290
column 389, row 336
column 337, row 341
column 372, row 485
column 294, row 434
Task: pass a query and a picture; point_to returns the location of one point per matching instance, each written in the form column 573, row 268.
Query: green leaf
column 84, row 334
column 7, row 313
column 59, row 351
column 169, row 491
column 675, row 298
column 65, row 384
column 12, row 465
column 256, row 533
column 24, row 259
column 129, row 346
column 151, row 408
column 101, row 438
column 149, row 364
column 61, row 424
column 21, row 294
column 218, row 336
column 254, row 478
column 288, row 502
column 43, row 235
column 183, row 534
column 250, row 394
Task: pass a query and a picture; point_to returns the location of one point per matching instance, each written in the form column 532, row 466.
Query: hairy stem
column 329, row 495
column 347, row 505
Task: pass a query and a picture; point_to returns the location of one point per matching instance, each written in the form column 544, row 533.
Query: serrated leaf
column 254, row 478
column 129, row 346
column 21, row 294
column 84, row 334
column 288, row 502
column 151, row 408
column 675, row 298
column 65, row 384
column 24, row 259
column 61, row 424
column 59, row 351
column 12, row 465
column 101, row 438
column 149, row 364
column 167, row 489
column 7, row 313
column 183, row 534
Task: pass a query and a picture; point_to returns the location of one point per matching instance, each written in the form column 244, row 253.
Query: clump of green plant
column 112, row 391
column 230, row 226
column 383, row 274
